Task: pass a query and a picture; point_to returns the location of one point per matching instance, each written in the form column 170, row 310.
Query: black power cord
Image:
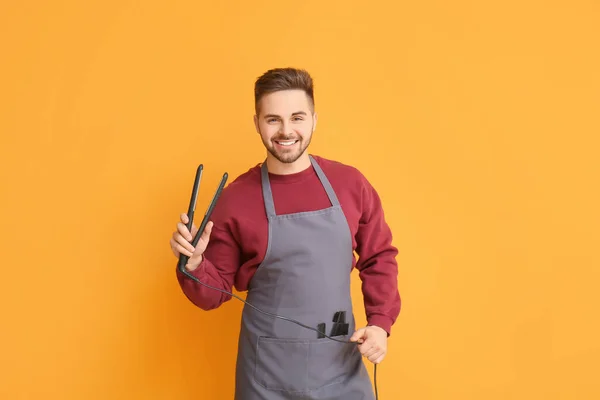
column 283, row 318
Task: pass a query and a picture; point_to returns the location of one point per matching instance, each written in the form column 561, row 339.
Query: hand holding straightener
column 186, row 243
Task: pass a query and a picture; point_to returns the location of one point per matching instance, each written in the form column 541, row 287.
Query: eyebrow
column 277, row 116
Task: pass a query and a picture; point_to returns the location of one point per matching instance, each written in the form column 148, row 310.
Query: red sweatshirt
column 239, row 236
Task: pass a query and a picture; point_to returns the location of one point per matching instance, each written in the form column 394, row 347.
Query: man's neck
column 277, row 167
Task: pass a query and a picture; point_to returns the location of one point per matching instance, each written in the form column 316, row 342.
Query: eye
column 298, row 118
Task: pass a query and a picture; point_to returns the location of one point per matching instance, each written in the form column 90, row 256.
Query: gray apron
column 305, row 275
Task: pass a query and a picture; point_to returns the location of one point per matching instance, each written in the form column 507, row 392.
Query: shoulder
column 352, row 186
column 237, row 192
column 245, row 181
column 339, row 171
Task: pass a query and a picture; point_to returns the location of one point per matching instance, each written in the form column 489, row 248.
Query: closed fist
column 373, row 343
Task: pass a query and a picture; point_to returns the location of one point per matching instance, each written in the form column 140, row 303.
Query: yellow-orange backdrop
column 476, row 122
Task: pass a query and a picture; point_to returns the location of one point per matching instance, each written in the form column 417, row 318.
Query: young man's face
column 285, row 124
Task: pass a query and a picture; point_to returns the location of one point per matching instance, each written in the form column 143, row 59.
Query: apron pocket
column 282, row 364
column 329, row 362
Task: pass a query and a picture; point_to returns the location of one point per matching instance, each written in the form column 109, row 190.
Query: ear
column 256, row 124
column 314, row 121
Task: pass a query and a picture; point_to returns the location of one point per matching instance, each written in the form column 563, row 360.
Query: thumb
column 208, row 228
column 358, row 335
column 205, row 237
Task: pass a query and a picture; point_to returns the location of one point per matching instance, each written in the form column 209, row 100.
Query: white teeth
column 289, row 143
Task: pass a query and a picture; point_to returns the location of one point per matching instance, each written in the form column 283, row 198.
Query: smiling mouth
column 286, row 142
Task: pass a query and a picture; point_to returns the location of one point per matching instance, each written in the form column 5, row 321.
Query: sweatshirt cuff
column 381, row 321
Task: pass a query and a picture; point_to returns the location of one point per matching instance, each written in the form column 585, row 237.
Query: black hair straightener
column 183, row 259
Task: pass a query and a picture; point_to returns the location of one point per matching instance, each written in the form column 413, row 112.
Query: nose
column 285, row 128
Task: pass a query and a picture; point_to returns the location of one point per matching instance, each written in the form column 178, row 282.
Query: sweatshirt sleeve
column 217, row 269
column 377, row 265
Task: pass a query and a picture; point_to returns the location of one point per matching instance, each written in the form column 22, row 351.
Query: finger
column 181, row 228
column 184, row 251
column 206, row 234
column 194, row 229
column 177, row 249
column 173, row 245
column 365, row 348
column 358, row 335
column 367, row 343
column 184, row 218
column 182, row 242
column 379, row 359
column 371, row 352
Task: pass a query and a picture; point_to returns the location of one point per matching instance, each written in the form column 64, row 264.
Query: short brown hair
column 278, row 79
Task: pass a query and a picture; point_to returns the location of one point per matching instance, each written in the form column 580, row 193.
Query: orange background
column 476, row 122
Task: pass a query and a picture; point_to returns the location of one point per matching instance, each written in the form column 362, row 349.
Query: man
column 286, row 231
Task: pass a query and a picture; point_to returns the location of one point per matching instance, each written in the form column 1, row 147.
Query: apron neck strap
column 268, row 193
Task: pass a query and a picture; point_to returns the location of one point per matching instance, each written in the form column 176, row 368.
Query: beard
column 287, row 156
